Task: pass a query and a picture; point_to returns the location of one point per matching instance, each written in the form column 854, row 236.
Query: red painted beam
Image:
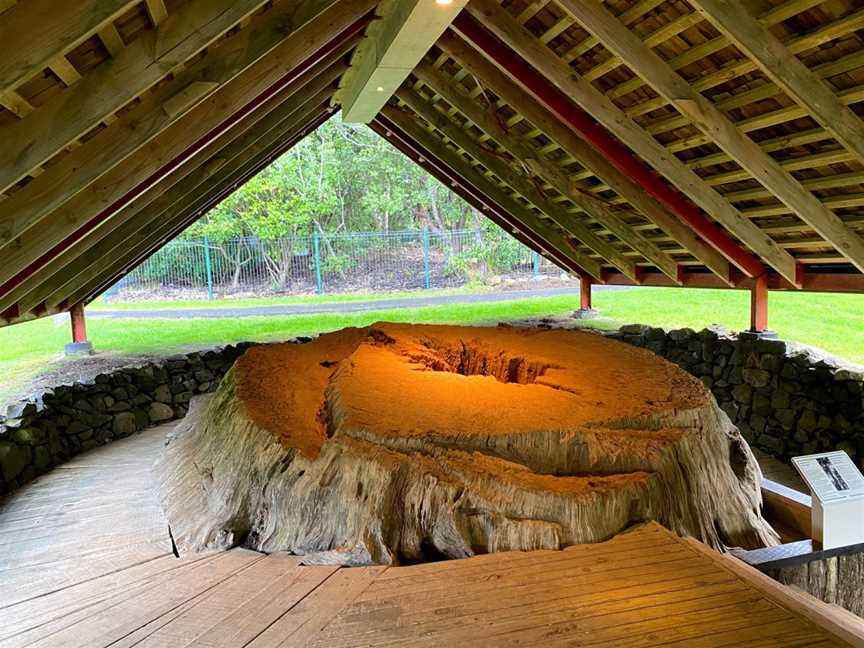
column 420, row 155
column 759, row 305
column 79, row 325
column 176, row 231
column 443, row 178
column 584, row 126
column 289, row 78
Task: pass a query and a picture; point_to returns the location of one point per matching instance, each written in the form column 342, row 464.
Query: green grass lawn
column 832, row 322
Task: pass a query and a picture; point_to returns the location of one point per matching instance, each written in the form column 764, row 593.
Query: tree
column 340, row 178
column 224, row 230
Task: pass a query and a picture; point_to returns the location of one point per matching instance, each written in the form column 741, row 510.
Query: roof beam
column 503, row 170
column 394, row 45
column 564, row 78
column 449, row 177
column 64, row 70
column 157, row 11
column 548, row 236
column 119, row 184
column 787, row 71
column 111, row 39
column 744, row 151
column 214, row 177
column 240, row 143
column 29, row 142
column 125, row 265
column 36, row 32
column 15, row 103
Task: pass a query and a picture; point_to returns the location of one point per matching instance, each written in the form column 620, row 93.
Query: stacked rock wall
column 40, row 434
column 786, row 399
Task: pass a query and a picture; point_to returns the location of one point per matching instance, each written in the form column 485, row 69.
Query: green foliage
column 497, row 254
column 341, row 178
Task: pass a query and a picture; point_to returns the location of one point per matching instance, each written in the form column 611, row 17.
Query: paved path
column 333, row 307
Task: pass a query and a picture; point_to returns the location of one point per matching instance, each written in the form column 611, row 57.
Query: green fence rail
column 403, row 260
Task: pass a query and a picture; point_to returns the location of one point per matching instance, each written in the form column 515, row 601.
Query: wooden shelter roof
column 656, row 142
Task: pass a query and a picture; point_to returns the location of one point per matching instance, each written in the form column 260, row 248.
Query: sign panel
column 831, row 476
column 837, row 489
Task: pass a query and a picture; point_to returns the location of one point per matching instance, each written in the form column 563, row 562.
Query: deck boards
column 86, row 560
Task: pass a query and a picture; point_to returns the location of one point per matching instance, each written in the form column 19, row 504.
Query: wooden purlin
column 559, row 74
column 489, row 195
column 705, row 115
column 94, row 288
column 449, row 178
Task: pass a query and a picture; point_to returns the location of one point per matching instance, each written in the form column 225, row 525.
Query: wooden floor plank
column 305, row 620
column 262, row 612
column 109, row 625
column 97, row 571
column 222, row 603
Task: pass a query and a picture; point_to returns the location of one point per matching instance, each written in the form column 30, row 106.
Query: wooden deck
column 86, row 561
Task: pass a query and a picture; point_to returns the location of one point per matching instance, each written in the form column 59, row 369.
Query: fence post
column 209, row 268
column 316, row 244
column 427, row 279
column 536, row 264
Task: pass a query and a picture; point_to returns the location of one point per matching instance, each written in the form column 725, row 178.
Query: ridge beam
column 393, row 47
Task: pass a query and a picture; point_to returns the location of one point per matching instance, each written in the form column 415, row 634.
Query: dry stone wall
column 786, row 399
column 40, row 434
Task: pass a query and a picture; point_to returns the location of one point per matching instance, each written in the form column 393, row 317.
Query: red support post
column 586, row 310
column 759, row 305
column 79, row 325
column 585, row 293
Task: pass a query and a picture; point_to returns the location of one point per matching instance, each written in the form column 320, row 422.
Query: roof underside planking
column 654, row 142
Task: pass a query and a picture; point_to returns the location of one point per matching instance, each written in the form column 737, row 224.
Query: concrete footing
column 78, row 349
column 586, row 313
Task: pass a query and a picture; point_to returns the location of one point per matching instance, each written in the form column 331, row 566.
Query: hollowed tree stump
column 402, row 443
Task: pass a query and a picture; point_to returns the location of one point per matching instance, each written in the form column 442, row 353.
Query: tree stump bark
column 399, row 443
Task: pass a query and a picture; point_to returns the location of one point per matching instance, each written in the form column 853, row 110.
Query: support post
column 209, row 269
column 79, row 344
column 586, row 311
column 759, row 305
column 316, row 247
column 427, row 279
column 536, row 264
